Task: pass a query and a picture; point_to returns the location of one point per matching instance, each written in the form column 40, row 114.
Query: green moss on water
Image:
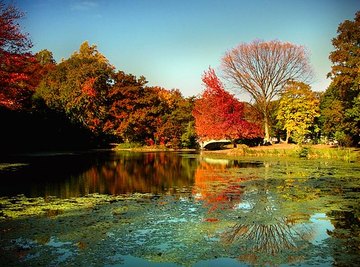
column 21, row 206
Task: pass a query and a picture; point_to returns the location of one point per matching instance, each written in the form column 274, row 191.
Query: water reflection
column 79, row 174
column 76, row 175
column 215, row 186
column 265, row 234
column 139, row 173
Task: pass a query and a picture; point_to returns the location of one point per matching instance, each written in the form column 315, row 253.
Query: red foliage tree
column 16, row 63
column 219, row 115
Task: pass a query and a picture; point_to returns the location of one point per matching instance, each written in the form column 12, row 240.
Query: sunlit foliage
column 341, row 104
column 219, row 115
column 78, row 87
column 298, row 107
column 15, row 60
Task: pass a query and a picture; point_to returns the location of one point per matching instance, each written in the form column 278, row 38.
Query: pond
column 107, row 208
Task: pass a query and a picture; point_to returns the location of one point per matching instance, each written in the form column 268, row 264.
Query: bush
column 304, row 152
column 343, row 138
column 129, row 145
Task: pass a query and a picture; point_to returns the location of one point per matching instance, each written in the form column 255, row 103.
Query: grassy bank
column 291, row 150
column 278, row 150
column 141, row 148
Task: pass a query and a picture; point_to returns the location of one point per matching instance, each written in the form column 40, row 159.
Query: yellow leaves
column 298, row 108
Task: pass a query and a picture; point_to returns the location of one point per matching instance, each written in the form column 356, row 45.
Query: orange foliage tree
column 218, row 114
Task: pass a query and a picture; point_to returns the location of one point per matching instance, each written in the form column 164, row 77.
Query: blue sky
column 172, row 43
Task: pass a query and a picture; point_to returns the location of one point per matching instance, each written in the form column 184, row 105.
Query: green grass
column 307, row 152
column 130, row 145
column 346, row 154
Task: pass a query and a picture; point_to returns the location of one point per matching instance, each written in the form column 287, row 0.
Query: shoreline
column 290, row 150
column 276, row 150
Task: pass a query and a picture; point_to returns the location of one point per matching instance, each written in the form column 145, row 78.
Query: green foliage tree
column 332, row 117
column 78, row 87
column 340, row 104
column 45, row 57
column 298, row 107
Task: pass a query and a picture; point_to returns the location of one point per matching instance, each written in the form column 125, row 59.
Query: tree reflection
column 264, row 234
column 125, row 173
column 215, row 185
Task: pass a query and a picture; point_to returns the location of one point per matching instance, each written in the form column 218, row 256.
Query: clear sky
column 172, row 43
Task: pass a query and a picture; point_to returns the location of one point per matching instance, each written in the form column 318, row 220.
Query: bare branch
column 262, row 69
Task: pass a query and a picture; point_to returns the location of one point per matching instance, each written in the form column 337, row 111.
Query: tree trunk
column 266, row 129
column 287, row 136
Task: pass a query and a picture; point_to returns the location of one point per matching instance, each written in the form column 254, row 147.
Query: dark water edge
column 32, row 174
column 179, row 209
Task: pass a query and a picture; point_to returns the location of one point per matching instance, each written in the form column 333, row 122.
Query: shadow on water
column 44, row 174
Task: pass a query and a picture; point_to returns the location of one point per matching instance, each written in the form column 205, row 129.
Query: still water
column 177, row 209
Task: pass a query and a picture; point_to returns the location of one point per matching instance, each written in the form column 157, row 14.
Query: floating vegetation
column 11, row 166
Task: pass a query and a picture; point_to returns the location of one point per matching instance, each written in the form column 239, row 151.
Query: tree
column 344, row 89
column 262, row 69
column 15, row 60
column 298, row 107
column 45, row 57
column 220, row 115
column 332, row 112
column 134, row 109
column 176, row 125
column 78, row 87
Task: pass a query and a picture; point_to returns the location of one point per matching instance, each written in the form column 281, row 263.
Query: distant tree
column 134, row 109
column 176, row 125
column 298, row 108
column 219, row 114
column 262, row 69
column 341, row 102
column 78, row 87
column 15, row 60
column 332, row 112
column 45, row 57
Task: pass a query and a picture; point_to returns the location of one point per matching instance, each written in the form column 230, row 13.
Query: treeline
column 83, row 101
column 277, row 76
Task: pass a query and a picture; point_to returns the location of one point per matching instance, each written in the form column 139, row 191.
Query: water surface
column 178, row 209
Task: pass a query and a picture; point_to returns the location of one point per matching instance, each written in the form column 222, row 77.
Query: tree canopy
column 112, row 103
column 298, row 107
column 262, row 69
column 78, row 87
column 15, row 60
column 341, row 101
column 86, row 96
column 219, row 115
